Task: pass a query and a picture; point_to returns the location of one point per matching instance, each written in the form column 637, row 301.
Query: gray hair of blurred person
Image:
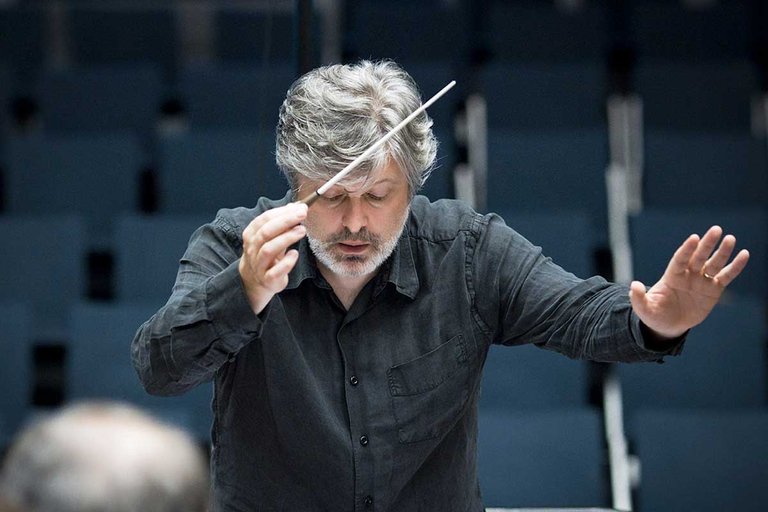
column 334, row 113
column 101, row 457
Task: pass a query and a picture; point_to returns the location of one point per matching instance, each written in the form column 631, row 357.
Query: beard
column 351, row 265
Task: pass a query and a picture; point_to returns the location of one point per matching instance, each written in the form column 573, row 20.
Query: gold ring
column 706, row 276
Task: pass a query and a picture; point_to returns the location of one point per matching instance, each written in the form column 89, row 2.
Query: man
column 100, row 457
column 346, row 341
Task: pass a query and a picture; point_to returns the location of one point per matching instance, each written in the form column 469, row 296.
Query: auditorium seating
column 707, row 96
column 106, row 34
column 567, row 237
column 412, row 31
column 530, row 378
column 681, row 31
column 204, row 170
column 541, row 459
column 723, row 365
column 656, row 233
column 93, row 175
column 702, row 460
column 99, row 366
column 545, row 96
column 109, row 97
column 147, row 253
column 525, row 31
column 15, row 367
column 234, row 95
column 43, row 262
column 71, row 184
column 549, row 171
column 22, row 38
column 700, row 170
column 249, row 35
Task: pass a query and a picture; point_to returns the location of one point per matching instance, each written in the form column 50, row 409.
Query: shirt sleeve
column 206, row 321
column 533, row 300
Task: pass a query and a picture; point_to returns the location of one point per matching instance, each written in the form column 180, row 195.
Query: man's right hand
column 266, row 260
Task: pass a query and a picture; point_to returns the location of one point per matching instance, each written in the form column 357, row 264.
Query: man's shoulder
column 443, row 220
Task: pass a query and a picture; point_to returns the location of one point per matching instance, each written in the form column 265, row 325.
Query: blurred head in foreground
column 103, row 457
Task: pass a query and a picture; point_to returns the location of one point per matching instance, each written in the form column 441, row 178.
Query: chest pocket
column 429, row 392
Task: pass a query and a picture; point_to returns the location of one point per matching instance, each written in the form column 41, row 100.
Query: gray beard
column 354, row 266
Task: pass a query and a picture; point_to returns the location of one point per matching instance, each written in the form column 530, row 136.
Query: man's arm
column 538, row 302
column 218, row 301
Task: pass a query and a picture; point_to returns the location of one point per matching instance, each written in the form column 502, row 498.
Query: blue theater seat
column 566, row 237
column 99, row 366
column 545, row 96
column 430, row 77
column 104, row 98
column 15, row 367
column 723, row 365
column 147, row 254
column 656, row 233
column 96, row 176
column 541, row 459
column 539, row 31
column 705, row 461
column 235, row 96
column 704, row 170
column 205, row 170
column 43, row 261
column 251, row 35
column 549, row 172
column 112, row 34
column 22, row 37
column 674, row 30
column 711, row 96
column 402, row 30
column 527, row 377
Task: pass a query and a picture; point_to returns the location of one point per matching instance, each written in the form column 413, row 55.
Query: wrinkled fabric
column 317, row 408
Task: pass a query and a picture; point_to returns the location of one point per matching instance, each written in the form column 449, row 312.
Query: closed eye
column 334, row 199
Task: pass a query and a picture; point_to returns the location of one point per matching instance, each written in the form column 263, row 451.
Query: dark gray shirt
column 321, row 409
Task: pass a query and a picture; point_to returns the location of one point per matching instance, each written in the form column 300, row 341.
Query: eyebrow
column 380, row 182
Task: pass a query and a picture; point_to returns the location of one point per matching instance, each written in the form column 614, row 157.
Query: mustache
column 348, row 236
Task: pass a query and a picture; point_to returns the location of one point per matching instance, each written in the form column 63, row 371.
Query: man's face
column 353, row 230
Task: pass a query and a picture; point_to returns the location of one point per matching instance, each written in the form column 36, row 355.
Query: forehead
column 390, row 173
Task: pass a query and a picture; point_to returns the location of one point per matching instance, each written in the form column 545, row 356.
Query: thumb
column 637, row 295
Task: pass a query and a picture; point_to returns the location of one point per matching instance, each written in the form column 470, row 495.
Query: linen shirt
column 317, row 408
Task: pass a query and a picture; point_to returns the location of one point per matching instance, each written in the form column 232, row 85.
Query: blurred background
column 604, row 131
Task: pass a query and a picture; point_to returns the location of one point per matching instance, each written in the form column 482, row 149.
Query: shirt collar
column 403, row 271
column 400, row 267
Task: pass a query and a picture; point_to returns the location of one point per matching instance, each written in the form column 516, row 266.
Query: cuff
column 229, row 311
column 651, row 344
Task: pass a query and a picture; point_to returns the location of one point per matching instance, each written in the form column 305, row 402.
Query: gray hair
column 104, row 458
column 334, row 113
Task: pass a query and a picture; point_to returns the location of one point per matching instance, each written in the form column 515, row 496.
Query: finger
column 679, row 262
column 637, row 296
column 733, row 269
column 276, row 221
column 258, row 233
column 721, row 256
column 275, row 249
column 277, row 276
column 705, row 248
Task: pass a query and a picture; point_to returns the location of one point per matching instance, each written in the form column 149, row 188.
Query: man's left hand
column 694, row 280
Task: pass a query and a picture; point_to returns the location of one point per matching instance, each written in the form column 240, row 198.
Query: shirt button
column 363, row 440
column 353, row 380
column 368, row 501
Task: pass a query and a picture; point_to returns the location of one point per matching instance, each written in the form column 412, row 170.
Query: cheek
column 319, row 225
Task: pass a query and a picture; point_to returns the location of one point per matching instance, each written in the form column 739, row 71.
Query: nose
column 355, row 217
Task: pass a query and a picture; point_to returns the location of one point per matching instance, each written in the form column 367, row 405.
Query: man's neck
column 346, row 288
